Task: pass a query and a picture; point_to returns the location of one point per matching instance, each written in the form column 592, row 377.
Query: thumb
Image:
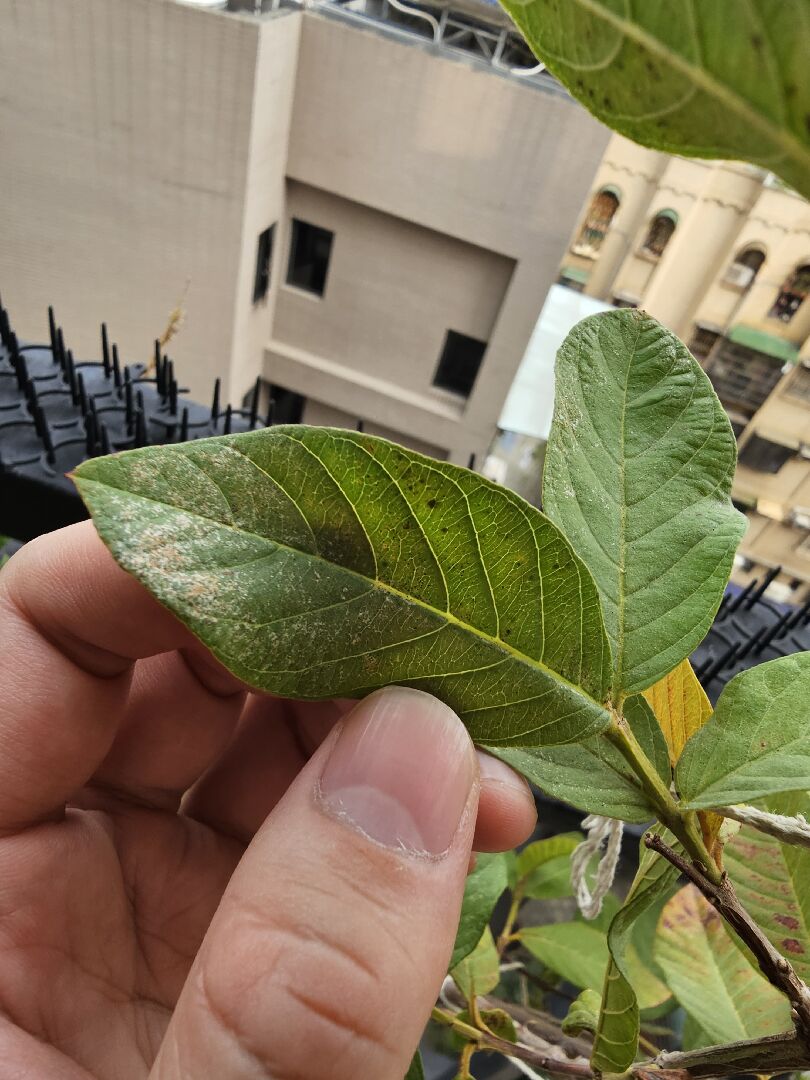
column 330, row 944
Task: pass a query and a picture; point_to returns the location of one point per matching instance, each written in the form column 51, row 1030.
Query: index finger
column 72, row 624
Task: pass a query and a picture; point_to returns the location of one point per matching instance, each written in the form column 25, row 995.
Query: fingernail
column 494, row 771
column 401, row 771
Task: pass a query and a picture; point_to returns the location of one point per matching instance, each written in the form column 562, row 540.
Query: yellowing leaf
column 680, row 706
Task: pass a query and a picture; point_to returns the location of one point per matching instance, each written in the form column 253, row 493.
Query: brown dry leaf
column 680, row 706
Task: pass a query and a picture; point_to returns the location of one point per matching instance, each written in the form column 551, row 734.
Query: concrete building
column 364, row 206
column 720, row 253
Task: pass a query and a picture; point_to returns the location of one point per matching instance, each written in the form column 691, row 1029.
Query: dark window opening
column 660, row 233
column 764, row 455
column 744, row 269
column 799, row 386
column 621, row 301
column 288, row 407
column 703, row 341
column 595, row 226
column 459, row 363
column 310, row 250
column 792, row 294
column 742, row 377
column 264, row 256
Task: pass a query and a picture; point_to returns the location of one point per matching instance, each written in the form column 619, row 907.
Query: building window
column 702, row 342
column 742, row 377
column 624, row 300
column 264, row 256
column 659, row 233
column 741, row 273
column 459, row 363
column 792, row 294
column 288, row 407
column 310, row 250
column 594, row 229
column 764, row 455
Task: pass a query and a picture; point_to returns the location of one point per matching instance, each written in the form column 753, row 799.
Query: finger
column 331, row 942
column 171, row 730
column 268, row 752
column 71, row 625
column 272, row 745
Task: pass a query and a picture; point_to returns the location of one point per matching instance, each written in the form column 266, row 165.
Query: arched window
column 745, row 267
column 601, row 212
column 792, row 294
column 659, row 233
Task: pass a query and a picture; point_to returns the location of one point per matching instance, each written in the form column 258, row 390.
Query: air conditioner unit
column 739, row 275
column 801, row 517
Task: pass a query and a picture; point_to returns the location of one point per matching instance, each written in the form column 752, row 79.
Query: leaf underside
column 702, row 964
column 321, row 563
column 638, row 476
column 703, row 78
column 758, row 741
column 482, row 891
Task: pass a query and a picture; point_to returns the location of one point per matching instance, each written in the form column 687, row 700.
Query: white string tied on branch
column 790, row 830
column 601, row 831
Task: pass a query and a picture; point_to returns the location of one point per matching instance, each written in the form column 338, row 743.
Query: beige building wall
column 126, row 128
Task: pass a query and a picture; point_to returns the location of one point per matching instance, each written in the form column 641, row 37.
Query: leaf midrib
column 448, row 616
column 789, row 143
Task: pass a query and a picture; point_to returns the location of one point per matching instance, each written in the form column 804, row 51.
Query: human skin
column 201, row 882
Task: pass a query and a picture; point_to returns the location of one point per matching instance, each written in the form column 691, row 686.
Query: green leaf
column 583, row 1013
column 318, row 563
column 638, row 475
column 416, row 1071
column 629, row 985
column 544, row 867
column 708, row 78
column 773, row 883
column 758, row 741
column 479, row 971
column 593, row 775
column 710, row 976
column 481, row 893
column 577, row 952
column 500, row 1023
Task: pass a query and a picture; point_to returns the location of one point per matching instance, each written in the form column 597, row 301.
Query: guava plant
column 317, row 562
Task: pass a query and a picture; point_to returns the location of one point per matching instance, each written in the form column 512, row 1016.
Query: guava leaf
column 479, row 971
column 416, row 1070
column 624, row 993
column 638, row 475
column 543, row 869
column 482, row 891
column 592, row 775
column 711, row 978
column 758, row 741
column 324, row 563
column 708, row 78
column 583, row 1013
column 680, row 705
column 772, row 881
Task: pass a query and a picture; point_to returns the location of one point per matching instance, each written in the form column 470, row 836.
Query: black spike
column 52, row 333
column 168, row 378
column 106, row 446
column 45, row 435
column 772, row 573
column 71, row 374
column 31, row 395
column 724, row 660
column 751, row 642
column 5, row 326
column 215, row 401
column 141, row 438
column 116, row 367
column 21, row 370
column 173, row 397
column 105, row 350
column 158, row 361
column 773, row 631
column 228, row 419
column 742, row 596
column 471, row 462
column 90, row 434
column 799, row 614
column 83, row 405
column 184, row 426
column 128, row 401
column 271, row 408
column 360, row 426
column 60, row 344
column 254, row 405
column 722, row 611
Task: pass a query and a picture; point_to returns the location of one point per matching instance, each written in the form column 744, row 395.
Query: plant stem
column 682, row 825
column 505, row 935
column 775, row 967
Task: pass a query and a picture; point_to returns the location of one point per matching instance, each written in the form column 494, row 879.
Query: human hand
column 199, row 882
